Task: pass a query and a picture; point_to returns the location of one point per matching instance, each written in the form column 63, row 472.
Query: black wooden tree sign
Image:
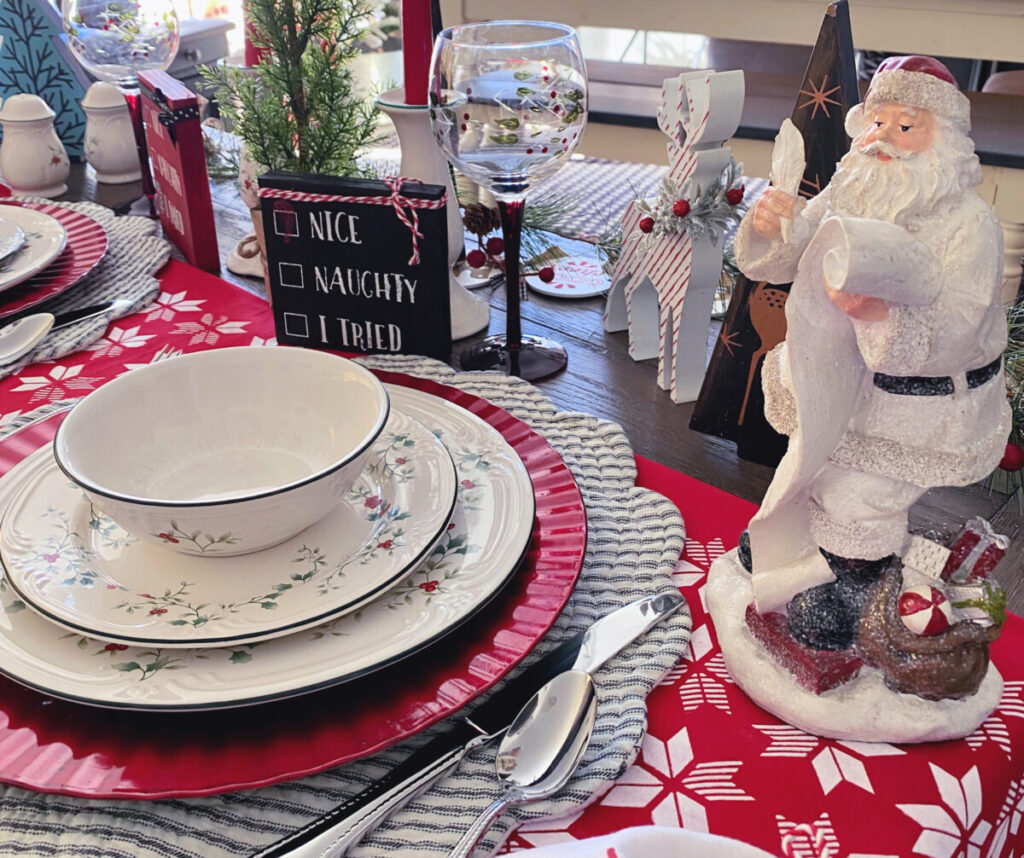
column 731, row 404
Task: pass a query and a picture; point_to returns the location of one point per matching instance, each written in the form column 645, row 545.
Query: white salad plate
column 481, row 548
column 12, row 237
column 44, row 241
column 76, row 567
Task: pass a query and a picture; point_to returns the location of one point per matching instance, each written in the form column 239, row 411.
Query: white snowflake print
column 168, row 305
column 703, row 555
column 666, row 780
column 1008, row 821
column 808, row 839
column 953, row 829
column 540, row 832
column 209, row 329
column 119, row 339
column 259, row 341
column 996, row 728
column 686, row 574
column 832, row 764
column 62, row 381
column 708, row 679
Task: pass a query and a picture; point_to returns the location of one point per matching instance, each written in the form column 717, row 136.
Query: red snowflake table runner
column 712, row 761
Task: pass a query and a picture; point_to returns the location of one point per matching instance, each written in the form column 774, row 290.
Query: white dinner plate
column 487, row 537
column 75, row 566
column 44, row 241
column 12, row 237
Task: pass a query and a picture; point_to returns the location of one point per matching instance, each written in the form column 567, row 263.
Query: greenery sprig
column 688, row 208
column 298, row 109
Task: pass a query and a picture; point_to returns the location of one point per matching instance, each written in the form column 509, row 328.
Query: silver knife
column 343, row 826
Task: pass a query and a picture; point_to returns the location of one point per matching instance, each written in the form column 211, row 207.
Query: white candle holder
column 422, row 159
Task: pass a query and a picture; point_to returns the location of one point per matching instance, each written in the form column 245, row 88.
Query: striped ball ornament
column 924, row 609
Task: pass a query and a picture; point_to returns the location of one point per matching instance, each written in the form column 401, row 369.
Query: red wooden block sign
column 175, row 139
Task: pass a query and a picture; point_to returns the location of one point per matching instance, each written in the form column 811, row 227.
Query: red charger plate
column 86, row 246
column 54, row 746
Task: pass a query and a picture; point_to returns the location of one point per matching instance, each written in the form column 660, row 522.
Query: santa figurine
column 890, row 379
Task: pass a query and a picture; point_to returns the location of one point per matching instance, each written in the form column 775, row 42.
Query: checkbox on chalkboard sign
column 290, row 275
column 286, row 223
column 358, row 265
column 296, row 325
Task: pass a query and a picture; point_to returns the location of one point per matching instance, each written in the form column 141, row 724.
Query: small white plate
column 76, row 567
column 487, row 537
column 12, row 237
column 44, row 241
column 575, row 277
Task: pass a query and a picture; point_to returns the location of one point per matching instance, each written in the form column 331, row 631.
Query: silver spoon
column 541, row 749
column 21, row 336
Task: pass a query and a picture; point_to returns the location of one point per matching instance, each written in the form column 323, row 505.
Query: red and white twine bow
column 395, row 199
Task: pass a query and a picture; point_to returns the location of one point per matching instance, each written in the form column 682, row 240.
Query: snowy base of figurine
column 863, row 709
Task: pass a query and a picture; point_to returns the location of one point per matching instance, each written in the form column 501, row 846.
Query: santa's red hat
column 916, row 82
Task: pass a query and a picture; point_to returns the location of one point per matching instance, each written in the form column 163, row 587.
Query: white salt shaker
column 109, row 137
column 32, row 158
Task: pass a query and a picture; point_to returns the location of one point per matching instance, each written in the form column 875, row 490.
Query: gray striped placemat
column 635, row 538
column 135, row 252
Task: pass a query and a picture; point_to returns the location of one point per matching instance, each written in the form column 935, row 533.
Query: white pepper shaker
column 32, row 158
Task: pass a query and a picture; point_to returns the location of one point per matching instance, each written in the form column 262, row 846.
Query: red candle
column 253, row 54
column 417, row 43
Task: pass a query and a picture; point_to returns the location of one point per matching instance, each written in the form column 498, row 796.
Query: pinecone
column 480, row 220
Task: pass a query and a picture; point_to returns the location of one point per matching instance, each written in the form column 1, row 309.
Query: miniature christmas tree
column 298, row 110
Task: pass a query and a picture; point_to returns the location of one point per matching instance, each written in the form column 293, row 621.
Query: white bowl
column 226, row 451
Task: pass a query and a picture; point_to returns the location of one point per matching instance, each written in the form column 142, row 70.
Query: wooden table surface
column 603, row 380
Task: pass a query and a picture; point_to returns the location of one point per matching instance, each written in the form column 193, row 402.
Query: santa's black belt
column 934, row 385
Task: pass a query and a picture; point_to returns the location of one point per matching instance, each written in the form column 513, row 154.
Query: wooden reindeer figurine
column 665, row 278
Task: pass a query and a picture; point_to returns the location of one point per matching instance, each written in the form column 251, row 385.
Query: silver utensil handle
column 318, row 838
column 475, row 833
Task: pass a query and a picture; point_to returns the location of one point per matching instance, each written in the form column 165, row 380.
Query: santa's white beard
column 907, row 187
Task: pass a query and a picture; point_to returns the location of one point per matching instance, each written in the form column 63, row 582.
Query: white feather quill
column 788, row 165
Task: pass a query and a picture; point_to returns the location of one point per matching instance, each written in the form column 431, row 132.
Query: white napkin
column 646, row 841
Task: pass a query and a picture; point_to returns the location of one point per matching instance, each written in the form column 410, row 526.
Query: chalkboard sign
column 357, row 265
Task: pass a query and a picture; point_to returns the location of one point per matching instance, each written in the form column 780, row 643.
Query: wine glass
column 116, row 39
column 508, row 103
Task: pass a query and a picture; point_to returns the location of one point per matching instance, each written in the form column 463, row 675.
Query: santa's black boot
column 743, row 551
column 827, row 616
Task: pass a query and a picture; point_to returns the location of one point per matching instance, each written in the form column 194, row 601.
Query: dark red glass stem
column 138, row 126
column 512, row 231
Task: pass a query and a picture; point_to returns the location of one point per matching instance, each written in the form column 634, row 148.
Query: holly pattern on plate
column 388, row 537
column 202, row 542
column 394, row 458
column 147, row 662
column 437, row 570
column 174, row 607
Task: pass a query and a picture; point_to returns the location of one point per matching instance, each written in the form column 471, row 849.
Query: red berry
column 647, row 224
column 495, row 246
column 1013, row 457
column 681, row 208
column 476, row 258
column 546, row 274
column 734, row 195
